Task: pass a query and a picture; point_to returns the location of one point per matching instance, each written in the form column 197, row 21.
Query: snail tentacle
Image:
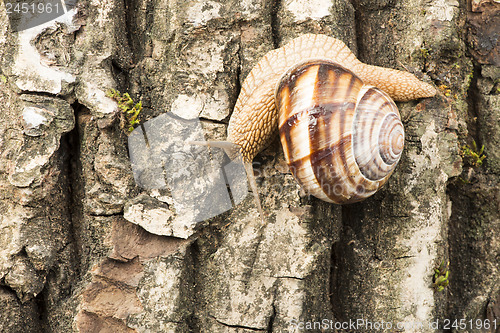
column 233, row 151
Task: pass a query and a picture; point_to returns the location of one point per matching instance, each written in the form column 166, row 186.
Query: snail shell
column 341, row 138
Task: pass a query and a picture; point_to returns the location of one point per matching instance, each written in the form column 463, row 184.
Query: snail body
column 340, row 130
column 255, row 118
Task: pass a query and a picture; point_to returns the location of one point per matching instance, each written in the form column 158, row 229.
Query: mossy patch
column 130, row 109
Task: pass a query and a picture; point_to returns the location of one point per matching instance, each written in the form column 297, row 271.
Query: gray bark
column 74, row 257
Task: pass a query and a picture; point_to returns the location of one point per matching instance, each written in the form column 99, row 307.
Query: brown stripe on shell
column 350, row 87
column 329, row 178
column 321, row 84
column 283, row 103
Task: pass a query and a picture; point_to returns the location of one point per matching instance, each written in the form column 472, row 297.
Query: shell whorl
column 341, row 138
column 255, row 119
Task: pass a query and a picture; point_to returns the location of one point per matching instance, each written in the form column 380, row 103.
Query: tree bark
column 84, row 249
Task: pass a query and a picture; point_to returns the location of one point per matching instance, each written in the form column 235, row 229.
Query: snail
column 339, row 128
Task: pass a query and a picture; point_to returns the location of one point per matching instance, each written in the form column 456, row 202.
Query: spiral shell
column 342, row 139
